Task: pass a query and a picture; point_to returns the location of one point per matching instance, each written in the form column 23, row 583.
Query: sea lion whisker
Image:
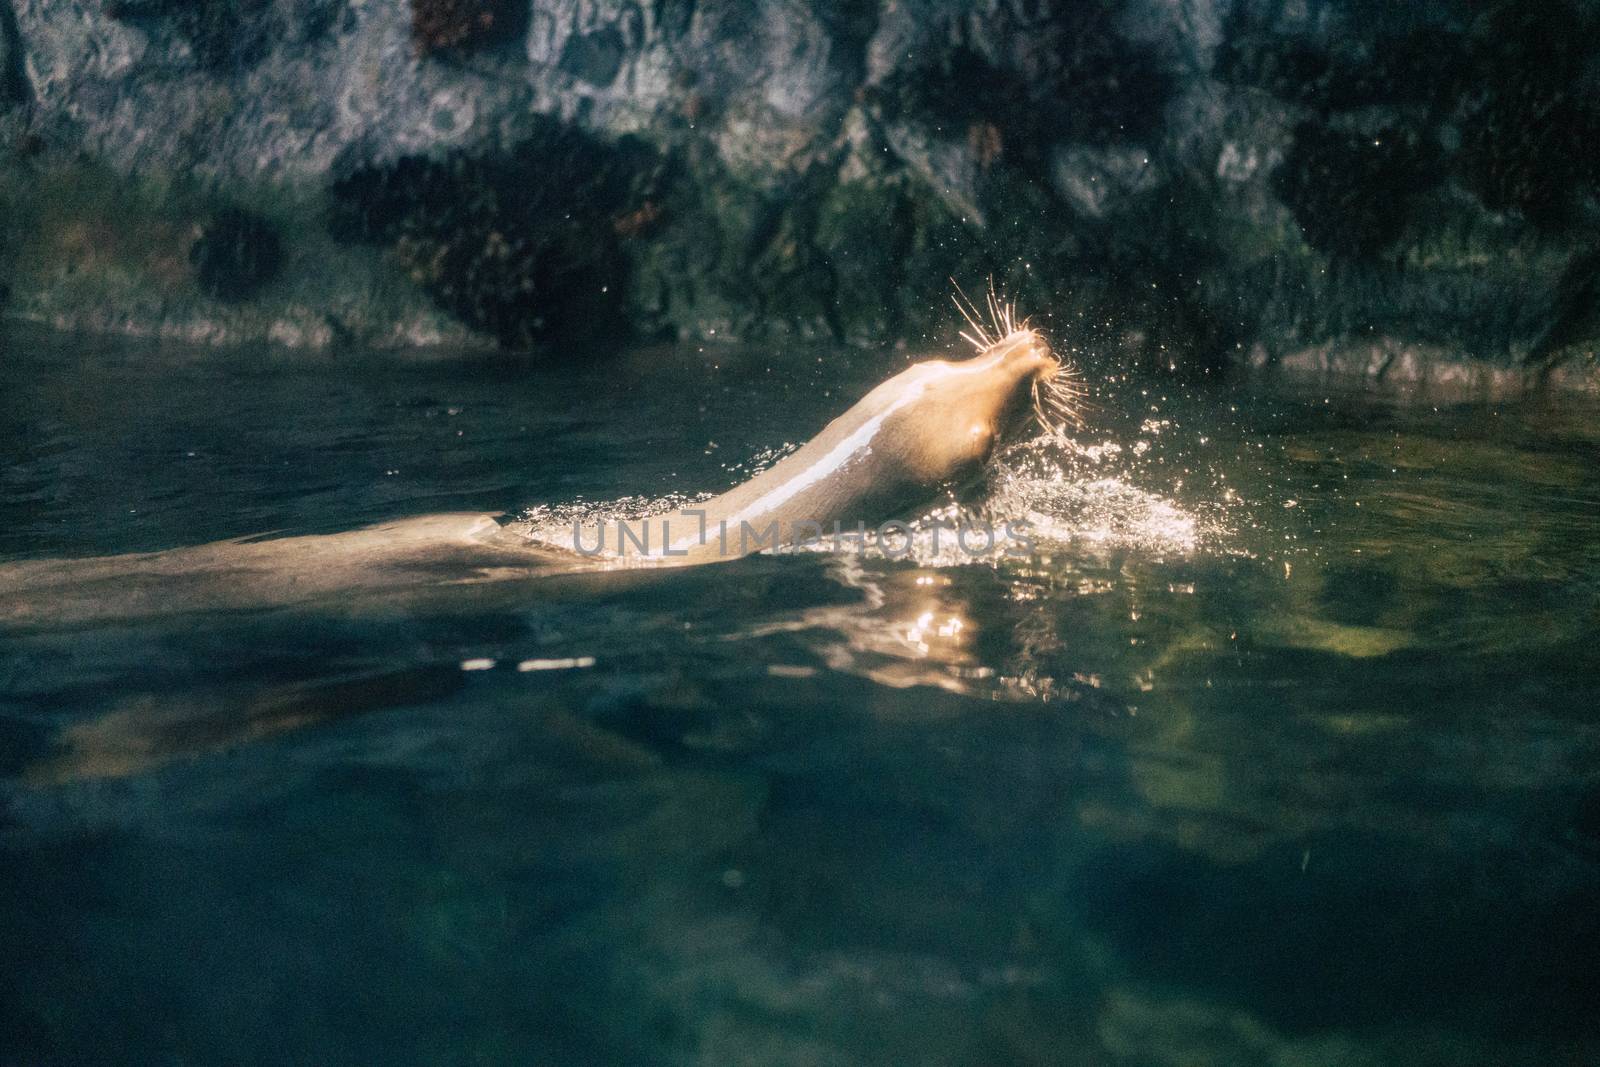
column 1038, row 408
column 982, row 340
column 1003, row 314
column 1060, row 398
column 969, row 311
column 1075, row 394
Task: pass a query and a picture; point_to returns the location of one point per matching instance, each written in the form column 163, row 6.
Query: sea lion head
column 964, row 409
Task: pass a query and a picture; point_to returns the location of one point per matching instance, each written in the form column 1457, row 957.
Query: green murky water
column 1284, row 750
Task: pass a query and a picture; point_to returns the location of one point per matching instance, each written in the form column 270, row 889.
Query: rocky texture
column 1174, row 183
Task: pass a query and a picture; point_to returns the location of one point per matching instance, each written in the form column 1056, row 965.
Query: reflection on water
column 1281, row 749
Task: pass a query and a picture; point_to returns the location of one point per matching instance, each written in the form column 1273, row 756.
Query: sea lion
column 923, row 432
column 928, row 430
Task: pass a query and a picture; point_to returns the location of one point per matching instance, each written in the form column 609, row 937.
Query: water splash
column 1051, row 493
column 1073, row 493
column 553, row 524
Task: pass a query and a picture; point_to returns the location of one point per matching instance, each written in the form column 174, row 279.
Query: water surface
column 1283, row 750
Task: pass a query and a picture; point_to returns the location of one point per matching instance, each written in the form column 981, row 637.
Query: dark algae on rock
column 523, row 245
column 1350, row 190
column 13, row 79
column 460, row 25
column 1528, row 138
column 236, row 254
column 1500, row 97
column 1061, row 73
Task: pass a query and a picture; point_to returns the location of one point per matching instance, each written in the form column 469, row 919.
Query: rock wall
column 1173, row 183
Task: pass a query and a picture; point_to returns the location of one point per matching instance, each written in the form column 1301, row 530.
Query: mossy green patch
column 864, row 230
column 84, row 248
column 692, row 278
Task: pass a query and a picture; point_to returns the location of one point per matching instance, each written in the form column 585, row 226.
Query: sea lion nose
column 1030, row 354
